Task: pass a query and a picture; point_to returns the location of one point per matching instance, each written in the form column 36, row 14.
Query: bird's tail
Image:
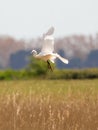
column 62, row 59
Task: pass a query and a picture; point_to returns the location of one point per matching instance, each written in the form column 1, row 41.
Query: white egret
column 46, row 53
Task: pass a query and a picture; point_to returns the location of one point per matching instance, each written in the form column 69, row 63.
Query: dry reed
column 44, row 113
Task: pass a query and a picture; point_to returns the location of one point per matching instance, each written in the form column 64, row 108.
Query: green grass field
column 49, row 105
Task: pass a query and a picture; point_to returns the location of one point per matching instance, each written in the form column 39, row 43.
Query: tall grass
column 49, row 105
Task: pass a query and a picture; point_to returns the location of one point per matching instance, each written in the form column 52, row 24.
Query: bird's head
column 34, row 53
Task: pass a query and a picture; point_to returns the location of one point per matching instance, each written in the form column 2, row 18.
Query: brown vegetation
column 45, row 113
column 58, row 110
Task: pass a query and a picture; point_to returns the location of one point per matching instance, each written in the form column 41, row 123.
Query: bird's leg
column 49, row 65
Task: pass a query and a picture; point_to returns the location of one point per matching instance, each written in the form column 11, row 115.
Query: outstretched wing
column 55, row 55
column 50, row 31
column 48, row 42
column 62, row 59
column 48, row 45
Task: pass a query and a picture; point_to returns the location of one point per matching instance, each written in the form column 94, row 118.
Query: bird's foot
column 49, row 66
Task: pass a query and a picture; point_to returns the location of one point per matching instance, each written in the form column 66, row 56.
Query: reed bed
column 49, row 105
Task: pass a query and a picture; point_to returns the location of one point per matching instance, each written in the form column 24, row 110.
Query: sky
column 31, row 18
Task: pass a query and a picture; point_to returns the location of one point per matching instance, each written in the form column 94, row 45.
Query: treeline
column 56, row 74
column 74, row 46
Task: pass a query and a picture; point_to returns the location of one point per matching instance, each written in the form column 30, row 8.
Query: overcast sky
column 31, row 18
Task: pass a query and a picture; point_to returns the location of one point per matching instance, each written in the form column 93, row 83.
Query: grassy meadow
column 49, row 104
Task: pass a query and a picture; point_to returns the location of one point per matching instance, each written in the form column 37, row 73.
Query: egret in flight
column 47, row 53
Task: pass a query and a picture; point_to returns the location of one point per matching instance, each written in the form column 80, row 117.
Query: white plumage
column 46, row 53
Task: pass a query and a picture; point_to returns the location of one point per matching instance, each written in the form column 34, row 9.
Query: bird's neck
column 34, row 53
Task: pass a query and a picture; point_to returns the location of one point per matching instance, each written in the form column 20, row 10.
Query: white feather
column 48, row 48
column 48, row 44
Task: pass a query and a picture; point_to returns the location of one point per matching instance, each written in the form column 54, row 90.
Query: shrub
column 37, row 72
